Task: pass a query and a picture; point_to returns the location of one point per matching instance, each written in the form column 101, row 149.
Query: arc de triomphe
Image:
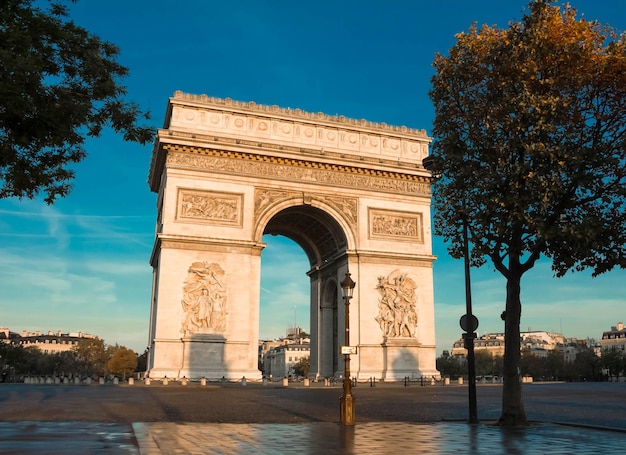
column 353, row 194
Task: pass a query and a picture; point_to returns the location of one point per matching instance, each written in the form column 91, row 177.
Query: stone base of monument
column 404, row 357
column 205, row 354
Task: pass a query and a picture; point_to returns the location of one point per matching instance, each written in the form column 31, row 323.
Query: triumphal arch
column 352, row 193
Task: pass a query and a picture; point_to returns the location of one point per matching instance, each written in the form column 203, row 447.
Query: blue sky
column 82, row 264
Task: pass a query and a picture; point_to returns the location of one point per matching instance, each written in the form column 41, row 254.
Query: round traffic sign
column 467, row 324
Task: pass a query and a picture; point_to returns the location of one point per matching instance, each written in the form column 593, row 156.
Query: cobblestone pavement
column 230, row 419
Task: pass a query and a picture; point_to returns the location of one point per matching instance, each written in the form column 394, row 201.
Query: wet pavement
column 59, row 419
column 155, row 438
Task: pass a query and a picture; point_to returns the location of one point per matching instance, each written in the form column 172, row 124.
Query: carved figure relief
column 397, row 315
column 263, row 198
column 396, row 225
column 220, row 208
column 204, row 299
column 346, row 205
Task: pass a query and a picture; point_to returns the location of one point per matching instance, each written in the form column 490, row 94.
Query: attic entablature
column 272, row 124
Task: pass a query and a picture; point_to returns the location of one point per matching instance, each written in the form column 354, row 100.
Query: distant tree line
column 88, row 358
column 587, row 366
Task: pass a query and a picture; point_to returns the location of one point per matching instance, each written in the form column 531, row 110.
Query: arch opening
column 324, row 243
column 319, row 235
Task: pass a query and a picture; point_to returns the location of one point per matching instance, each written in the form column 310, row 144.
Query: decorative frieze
column 289, row 169
column 209, row 207
column 395, row 225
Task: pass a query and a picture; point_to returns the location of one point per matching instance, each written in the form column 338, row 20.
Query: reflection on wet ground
column 154, row 438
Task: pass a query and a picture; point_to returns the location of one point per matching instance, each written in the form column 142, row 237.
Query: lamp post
column 346, row 408
column 469, row 322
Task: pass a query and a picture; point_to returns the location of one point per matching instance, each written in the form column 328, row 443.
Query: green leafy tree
column 58, row 84
column 530, row 136
column 142, row 362
column 531, row 365
column 302, row 367
column 91, row 356
column 554, row 365
column 484, row 363
column 65, row 364
column 586, row 366
column 448, row 365
column 613, row 360
column 123, row 361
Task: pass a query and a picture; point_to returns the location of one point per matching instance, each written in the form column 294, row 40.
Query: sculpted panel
column 265, row 197
column 204, row 299
column 397, row 316
column 345, row 205
column 395, row 225
column 210, row 207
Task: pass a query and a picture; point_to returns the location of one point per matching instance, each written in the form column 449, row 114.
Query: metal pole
column 470, row 335
column 347, row 401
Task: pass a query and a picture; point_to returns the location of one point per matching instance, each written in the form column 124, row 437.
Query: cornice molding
column 238, row 163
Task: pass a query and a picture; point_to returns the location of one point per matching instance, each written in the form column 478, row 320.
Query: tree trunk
column 513, row 413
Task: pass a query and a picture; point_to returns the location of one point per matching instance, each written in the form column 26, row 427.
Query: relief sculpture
column 209, row 206
column 263, row 198
column 395, row 225
column 397, row 316
column 204, row 299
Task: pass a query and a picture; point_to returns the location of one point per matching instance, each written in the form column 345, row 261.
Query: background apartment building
column 280, row 356
column 614, row 338
column 48, row 343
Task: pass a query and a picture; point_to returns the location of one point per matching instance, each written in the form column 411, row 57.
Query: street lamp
column 346, row 408
column 469, row 322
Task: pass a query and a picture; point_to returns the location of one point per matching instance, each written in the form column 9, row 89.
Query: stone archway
column 352, row 194
column 325, row 245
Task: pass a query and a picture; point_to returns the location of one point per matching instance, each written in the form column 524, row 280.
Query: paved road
column 598, row 404
column 256, row 419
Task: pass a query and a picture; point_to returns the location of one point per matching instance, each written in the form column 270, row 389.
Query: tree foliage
column 58, row 84
column 531, row 135
column 302, row 367
column 91, row 356
column 614, row 361
column 553, row 367
column 123, row 361
column 88, row 358
column 449, row 366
